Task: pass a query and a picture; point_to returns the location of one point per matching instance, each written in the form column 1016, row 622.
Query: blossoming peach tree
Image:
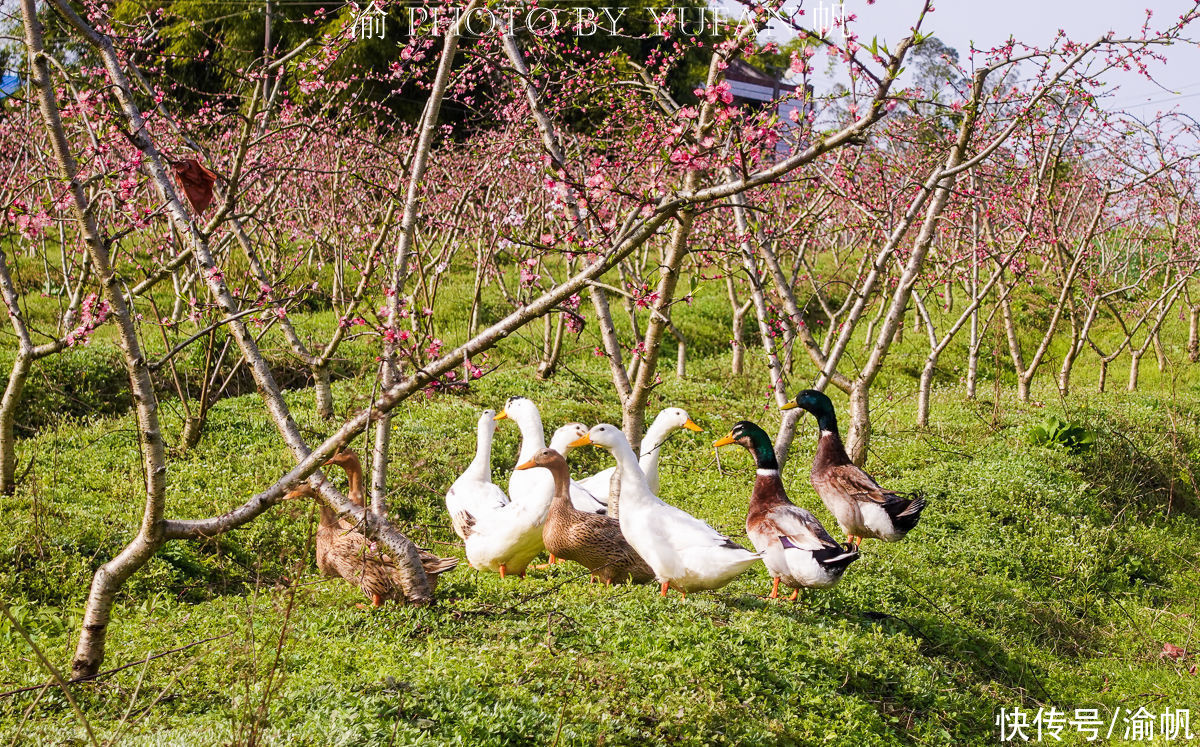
column 570, row 180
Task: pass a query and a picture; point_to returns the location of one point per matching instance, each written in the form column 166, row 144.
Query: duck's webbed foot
column 774, row 588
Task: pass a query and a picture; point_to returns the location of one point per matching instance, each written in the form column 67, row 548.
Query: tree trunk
column 324, row 392
column 8, row 413
column 1193, row 346
column 1135, row 363
column 633, row 414
column 1023, row 388
column 973, row 357
column 737, row 363
column 1064, row 373
column 680, row 353
column 787, row 425
column 89, row 652
column 1014, row 348
column 737, row 328
column 193, row 428
column 107, row 581
column 1102, row 379
column 388, row 374
column 1194, row 334
column 858, row 437
column 924, row 387
column 552, row 347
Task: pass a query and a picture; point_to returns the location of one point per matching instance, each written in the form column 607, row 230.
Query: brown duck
column 795, row 547
column 343, row 551
column 593, row 540
column 862, row 508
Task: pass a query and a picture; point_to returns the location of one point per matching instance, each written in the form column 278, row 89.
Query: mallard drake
column 862, row 508
column 538, row 486
column 668, row 421
column 343, row 551
column 592, row 540
column 473, row 493
column 795, row 547
column 684, row 552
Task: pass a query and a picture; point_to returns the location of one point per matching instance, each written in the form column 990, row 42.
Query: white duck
column 565, row 436
column 538, row 484
column 684, row 552
column 474, row 494
column 500, row 535
column 668, row 421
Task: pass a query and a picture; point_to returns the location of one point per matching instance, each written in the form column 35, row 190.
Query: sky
column 988, row 23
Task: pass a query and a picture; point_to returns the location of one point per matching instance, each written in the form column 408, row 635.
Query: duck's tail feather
column 834, row 558
column 906, row 511
column 434, row 565
column 729, row 544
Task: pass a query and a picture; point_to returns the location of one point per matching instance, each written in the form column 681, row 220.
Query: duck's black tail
column 905, row 512
column 836, row 558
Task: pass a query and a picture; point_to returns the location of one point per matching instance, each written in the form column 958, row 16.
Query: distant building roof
column 748, row 83
column 756, row 89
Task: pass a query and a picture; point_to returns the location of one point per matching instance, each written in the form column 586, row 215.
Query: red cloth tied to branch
column 197, row 183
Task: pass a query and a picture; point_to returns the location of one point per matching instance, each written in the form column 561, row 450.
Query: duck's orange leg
column 502, row 570
column 546, row 565
column 663, row 592
column 375, row 600
column 795, row 595
column 774, row 588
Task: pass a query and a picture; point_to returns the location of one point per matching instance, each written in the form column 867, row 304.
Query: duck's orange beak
column 724, row 441
column 502, row 415
column 584, row 440
column 526, row 465
column 691, row 426
column 789, row 406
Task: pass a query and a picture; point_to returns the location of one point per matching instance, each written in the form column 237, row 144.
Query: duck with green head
column 795, row 547
column 862, row 508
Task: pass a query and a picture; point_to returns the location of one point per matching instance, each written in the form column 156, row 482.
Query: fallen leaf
column 1172, row 652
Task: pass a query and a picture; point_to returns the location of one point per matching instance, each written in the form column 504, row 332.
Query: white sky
column 988, row 23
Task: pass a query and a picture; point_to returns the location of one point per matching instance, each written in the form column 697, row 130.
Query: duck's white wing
column 598, row 484
column 683, row 530
column 585, row 500
column 471, row 501
column 475, row 496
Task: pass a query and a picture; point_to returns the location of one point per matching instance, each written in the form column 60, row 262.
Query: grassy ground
column 1037, row 578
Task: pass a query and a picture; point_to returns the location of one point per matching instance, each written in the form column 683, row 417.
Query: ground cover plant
column 233, row 247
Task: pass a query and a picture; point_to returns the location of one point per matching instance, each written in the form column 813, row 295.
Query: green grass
column 1037, row 577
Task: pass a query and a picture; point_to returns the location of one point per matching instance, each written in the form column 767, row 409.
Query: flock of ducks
column 614, row 524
